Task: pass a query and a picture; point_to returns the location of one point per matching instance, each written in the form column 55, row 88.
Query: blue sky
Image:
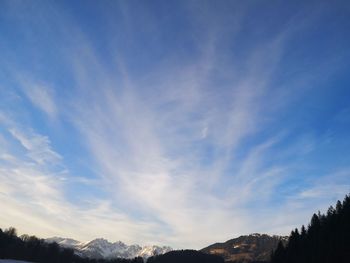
column 180, row 123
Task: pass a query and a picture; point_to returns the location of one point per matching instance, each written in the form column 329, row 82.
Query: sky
column 178, row 123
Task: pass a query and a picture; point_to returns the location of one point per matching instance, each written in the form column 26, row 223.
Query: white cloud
column 33, row 196
column 38, row 147
column 41, row 96
column 144, row 134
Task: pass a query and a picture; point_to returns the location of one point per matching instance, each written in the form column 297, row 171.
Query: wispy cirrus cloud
column 146, row 141
column 35, row 194
column 37, row 146
column 41, row 96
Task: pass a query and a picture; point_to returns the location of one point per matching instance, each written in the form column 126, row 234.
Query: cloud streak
column 37, row 146
column 41, row 96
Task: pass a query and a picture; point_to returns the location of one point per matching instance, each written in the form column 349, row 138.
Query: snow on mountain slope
column 64, row 242
column 98, row 248
column 149, row 251
column 102, row 248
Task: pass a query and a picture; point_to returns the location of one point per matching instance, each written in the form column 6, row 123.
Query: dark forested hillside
column 32, row 249
column 325, row 240
column 185, row 256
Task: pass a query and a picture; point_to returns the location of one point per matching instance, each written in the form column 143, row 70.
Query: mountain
column 244, row 249
column 64, row 242
column 102, row 248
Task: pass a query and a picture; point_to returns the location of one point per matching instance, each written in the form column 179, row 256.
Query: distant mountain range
column 244, row 249
column 102, row 248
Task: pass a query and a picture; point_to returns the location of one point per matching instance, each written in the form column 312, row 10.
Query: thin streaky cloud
column 38, row 147
column 41, row 96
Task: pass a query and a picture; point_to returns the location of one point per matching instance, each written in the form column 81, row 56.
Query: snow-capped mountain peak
column 64, row 242
column 148, row 251
column 102, row 248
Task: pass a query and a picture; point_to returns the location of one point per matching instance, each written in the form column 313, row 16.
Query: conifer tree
column 326, row 240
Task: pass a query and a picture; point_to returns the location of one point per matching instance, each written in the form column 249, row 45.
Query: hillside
column 244, row 249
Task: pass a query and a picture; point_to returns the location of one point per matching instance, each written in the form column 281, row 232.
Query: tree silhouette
column 326, row 240
column 185, row 256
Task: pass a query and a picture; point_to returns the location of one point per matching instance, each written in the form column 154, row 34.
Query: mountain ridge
column 102, row 248
column 246, row 248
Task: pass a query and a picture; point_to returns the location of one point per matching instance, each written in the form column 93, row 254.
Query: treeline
column 185, row 256
column 31, row 248
column 326, row 239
